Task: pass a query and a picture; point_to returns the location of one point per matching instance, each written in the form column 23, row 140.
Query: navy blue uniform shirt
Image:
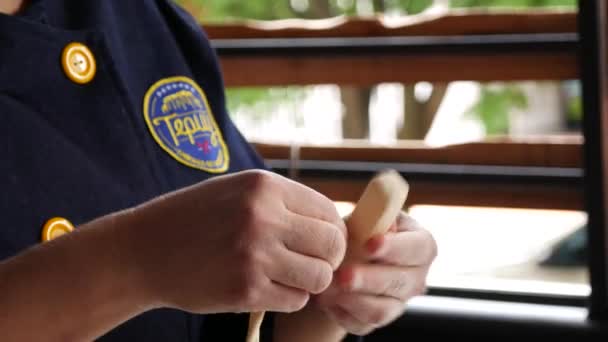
column 152, row 120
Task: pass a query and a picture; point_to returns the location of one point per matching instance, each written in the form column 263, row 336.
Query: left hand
column 373, row 291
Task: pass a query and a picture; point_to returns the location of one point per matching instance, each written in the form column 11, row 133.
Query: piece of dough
column 255, row 323
column 378, row 207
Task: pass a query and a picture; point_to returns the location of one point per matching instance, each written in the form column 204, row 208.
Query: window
column 495, row 158
column 387, row 114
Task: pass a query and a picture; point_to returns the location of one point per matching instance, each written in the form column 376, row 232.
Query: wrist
column 103, row 250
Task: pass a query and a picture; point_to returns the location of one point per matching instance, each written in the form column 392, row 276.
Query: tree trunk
column 418, row 115
column 319, row 9
column 379, row 6
column 355, row 121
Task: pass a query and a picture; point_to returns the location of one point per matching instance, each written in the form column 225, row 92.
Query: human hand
column 249, row 241
column 372, row 291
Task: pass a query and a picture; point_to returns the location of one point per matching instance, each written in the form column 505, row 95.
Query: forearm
column 308, row 324
column 70, row 289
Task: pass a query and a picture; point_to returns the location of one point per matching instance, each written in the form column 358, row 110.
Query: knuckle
column 322, row 278
column 291, row 238
column 249, row 290
column 432, row 249
column 257, row 180
column 329, row 207
column 335, row 248
column 250, row 296
column 248, row 210
column 248, row 260
column 249, row 277
column 252, row 220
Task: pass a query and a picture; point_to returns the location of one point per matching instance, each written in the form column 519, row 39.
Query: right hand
column 249, row 241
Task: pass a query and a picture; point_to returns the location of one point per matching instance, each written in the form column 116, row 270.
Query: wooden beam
column 557, row 152
column 356, row 68
column 532, row 196
column 549, row 152
column 453, row 23
column 370, row 70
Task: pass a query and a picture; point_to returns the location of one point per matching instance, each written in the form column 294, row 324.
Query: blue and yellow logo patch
column 180, row 120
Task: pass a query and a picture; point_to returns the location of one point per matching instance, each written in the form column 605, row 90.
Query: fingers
column 400, row 283
column 405, row 222
column 315, row 238
column 405, row 248
column 367, row 311
column 268, row 187
column 300, row 271
column 281, row 298
column 305, row 201
column 349, row 322
column 393, row 269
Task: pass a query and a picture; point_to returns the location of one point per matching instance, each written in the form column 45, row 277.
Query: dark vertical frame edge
column 592, row 61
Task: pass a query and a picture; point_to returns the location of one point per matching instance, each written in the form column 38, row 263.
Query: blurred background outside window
column 517, row 249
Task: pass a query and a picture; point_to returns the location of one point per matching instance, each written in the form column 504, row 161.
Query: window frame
column 480, row 46
column 245, row 59
column 594, row 39
column 531, row 174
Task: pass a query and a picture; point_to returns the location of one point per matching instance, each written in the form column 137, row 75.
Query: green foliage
column 573, row 102
column 247, row 97
column 260, row 101
column 513, row 3
column 223, row 10
column 410, row 6
column 575, row 110
column 494, row 106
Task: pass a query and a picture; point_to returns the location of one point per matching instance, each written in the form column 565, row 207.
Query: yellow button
column 78, row 63
column 56, row 227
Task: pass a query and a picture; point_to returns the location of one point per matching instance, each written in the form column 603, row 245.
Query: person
column 114, row 121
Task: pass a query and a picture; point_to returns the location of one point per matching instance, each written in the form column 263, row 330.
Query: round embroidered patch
column 180, row 120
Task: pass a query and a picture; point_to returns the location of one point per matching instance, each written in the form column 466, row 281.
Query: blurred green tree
column 513, row 3
column 494, row 105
